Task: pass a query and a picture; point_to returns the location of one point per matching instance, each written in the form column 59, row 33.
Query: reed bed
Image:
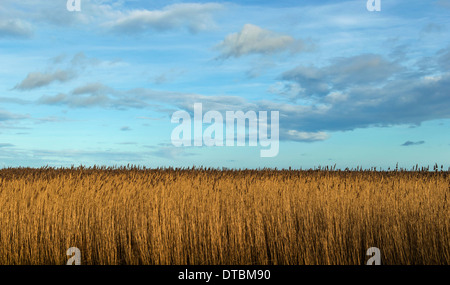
column 198, row 216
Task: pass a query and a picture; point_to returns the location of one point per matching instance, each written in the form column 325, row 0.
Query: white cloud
column 253, row 39
column 306, row 136
column 194, row 16
column 336, row 96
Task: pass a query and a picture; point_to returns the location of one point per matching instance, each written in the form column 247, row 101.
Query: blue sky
column 99, row 86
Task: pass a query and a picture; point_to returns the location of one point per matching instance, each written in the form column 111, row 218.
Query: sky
column 99, row 86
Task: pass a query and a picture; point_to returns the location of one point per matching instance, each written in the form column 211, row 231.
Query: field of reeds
column 133, row 215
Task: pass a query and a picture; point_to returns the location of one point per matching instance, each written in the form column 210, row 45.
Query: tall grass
column 206, row 216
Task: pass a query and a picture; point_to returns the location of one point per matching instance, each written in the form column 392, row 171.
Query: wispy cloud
column 255, row 40
column 39, row 79
column 74, row 101
column 410, row 143
column 351, row 93
column 6, row 145
column 444, row 59
column 5, row 116
column 168, row 76
column 295, row 135
column 95, row 88
column 432, row 28
column 193, row 16
column 443, row 3
column 168, row 151
column 80, row 60
column 56, row 73
column 360, row 70
column 15, row 28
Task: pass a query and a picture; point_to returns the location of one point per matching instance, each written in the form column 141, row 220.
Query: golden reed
column 133, row 215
